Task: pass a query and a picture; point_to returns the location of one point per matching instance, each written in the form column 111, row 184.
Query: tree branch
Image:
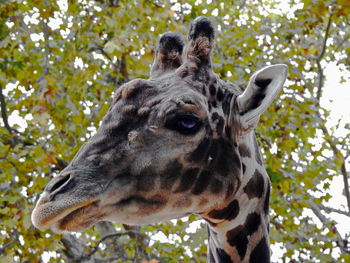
column 142, row 240
column 346, row 184
column 333, row 145
column 334, row 210
column 46, row 32
column 74, row 250
column 14, row 236
column 319, row 58
column 3, row 111
column 115, row 235
column 6, row 123
column 105, row 229
column 340, row 242
column 337, row 154
column 340, row 43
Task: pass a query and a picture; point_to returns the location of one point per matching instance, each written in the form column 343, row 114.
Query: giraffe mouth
column 79, row 219
column 65, row 215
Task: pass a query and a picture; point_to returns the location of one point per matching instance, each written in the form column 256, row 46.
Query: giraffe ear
column 262, row 89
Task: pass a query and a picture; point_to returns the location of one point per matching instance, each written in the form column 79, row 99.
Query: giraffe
column 178, row 143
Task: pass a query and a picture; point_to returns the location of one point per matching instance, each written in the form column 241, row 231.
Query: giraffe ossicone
column 178, row 143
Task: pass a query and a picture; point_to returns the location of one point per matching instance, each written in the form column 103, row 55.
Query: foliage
column 60, row 63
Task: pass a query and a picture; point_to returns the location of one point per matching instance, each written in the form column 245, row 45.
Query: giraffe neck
column 242, row 235
column 245, row 242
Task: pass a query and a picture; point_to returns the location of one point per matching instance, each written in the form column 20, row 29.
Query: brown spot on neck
column 244, row 150
column 228, row 213
column 239, row 236
column 255, row 186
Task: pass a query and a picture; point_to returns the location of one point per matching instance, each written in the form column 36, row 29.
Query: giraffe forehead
column 211, row 96
column 163, row 96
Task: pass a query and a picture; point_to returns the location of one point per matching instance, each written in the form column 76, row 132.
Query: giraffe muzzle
column 68, row 194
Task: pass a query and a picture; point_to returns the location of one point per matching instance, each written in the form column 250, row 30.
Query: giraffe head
column 167, row 147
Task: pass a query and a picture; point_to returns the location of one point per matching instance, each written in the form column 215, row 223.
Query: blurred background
column 61, row 61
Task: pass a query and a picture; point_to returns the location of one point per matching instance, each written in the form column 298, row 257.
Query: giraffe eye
column 186, row 125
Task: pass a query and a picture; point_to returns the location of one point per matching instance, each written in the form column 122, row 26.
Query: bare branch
column 326, row 35
column 342, row 244
column 346, row 184
column 73, row 248
column 334, row 210
column 337, row 154
column 320, row 57
column 107, row 228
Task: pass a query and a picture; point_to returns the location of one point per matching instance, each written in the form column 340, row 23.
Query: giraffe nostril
column 57, row 183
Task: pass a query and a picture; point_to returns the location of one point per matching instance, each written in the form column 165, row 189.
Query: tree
column 61, row 62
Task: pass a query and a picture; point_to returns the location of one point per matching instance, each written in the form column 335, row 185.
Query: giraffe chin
column 78, row 220
column 61, row 217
